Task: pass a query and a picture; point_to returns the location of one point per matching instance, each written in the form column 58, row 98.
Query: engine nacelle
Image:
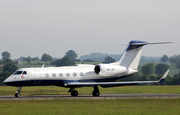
column 109, row 70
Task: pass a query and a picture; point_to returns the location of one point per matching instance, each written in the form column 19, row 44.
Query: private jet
column 84, row 75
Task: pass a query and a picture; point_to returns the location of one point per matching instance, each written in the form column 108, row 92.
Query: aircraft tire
column 96, row 94
column 74, row 93
column 16, row 95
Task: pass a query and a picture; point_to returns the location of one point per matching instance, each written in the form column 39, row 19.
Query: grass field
column 56, row 106
column 91, row 107
column 48, row 90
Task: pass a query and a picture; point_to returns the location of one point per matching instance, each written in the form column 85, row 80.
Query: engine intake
column 97, row 69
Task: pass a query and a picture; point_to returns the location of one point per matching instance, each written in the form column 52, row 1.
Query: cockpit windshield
column 24, row 72
column 20, row 72
column 17, row 73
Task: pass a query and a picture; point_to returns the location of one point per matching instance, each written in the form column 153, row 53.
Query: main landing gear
column 96, row 92
column 17, row 94
column 74, row 93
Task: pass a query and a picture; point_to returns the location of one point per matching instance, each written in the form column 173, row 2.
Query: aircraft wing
column 113, row 84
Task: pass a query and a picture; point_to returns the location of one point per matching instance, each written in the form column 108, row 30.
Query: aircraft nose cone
column 7, row 81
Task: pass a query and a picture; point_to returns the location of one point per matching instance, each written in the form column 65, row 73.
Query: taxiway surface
column 103, row 96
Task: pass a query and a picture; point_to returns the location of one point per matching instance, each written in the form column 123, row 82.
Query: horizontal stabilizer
column 149, row 43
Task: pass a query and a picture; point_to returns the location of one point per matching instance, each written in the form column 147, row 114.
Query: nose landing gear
column 17, row 94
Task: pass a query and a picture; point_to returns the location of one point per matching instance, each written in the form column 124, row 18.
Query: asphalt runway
column 101, row 97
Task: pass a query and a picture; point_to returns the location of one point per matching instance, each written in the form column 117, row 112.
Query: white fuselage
column 61, row 75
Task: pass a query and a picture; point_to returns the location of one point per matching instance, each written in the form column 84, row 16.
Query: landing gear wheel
column 74, row 93
column 16, row 95
column 96, row 92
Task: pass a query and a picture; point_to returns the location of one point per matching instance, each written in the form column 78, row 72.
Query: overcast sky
column 34, row 27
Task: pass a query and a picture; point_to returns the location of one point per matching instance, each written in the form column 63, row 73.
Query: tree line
column 8, row 69
column 175, row 60
column 152, row 72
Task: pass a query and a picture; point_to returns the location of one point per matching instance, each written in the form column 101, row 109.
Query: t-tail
column 132, row 54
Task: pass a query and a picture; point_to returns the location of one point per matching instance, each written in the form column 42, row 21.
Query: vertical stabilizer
column 132, row 54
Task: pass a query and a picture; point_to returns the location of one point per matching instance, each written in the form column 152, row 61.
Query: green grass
column 48, row 90
column 58, row 106
column 91, row 107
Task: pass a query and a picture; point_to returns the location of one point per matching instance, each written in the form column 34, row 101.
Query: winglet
column 164, row 76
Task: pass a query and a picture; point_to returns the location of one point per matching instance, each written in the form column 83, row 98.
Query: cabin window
column 67, row 74
column 54, row 75
column 24, row 72
column 46, row 75
column 18, row 73
column 81, row 74
column 74, row 74
column 60, row 74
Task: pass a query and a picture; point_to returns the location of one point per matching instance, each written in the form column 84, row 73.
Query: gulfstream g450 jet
column 72, row 77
